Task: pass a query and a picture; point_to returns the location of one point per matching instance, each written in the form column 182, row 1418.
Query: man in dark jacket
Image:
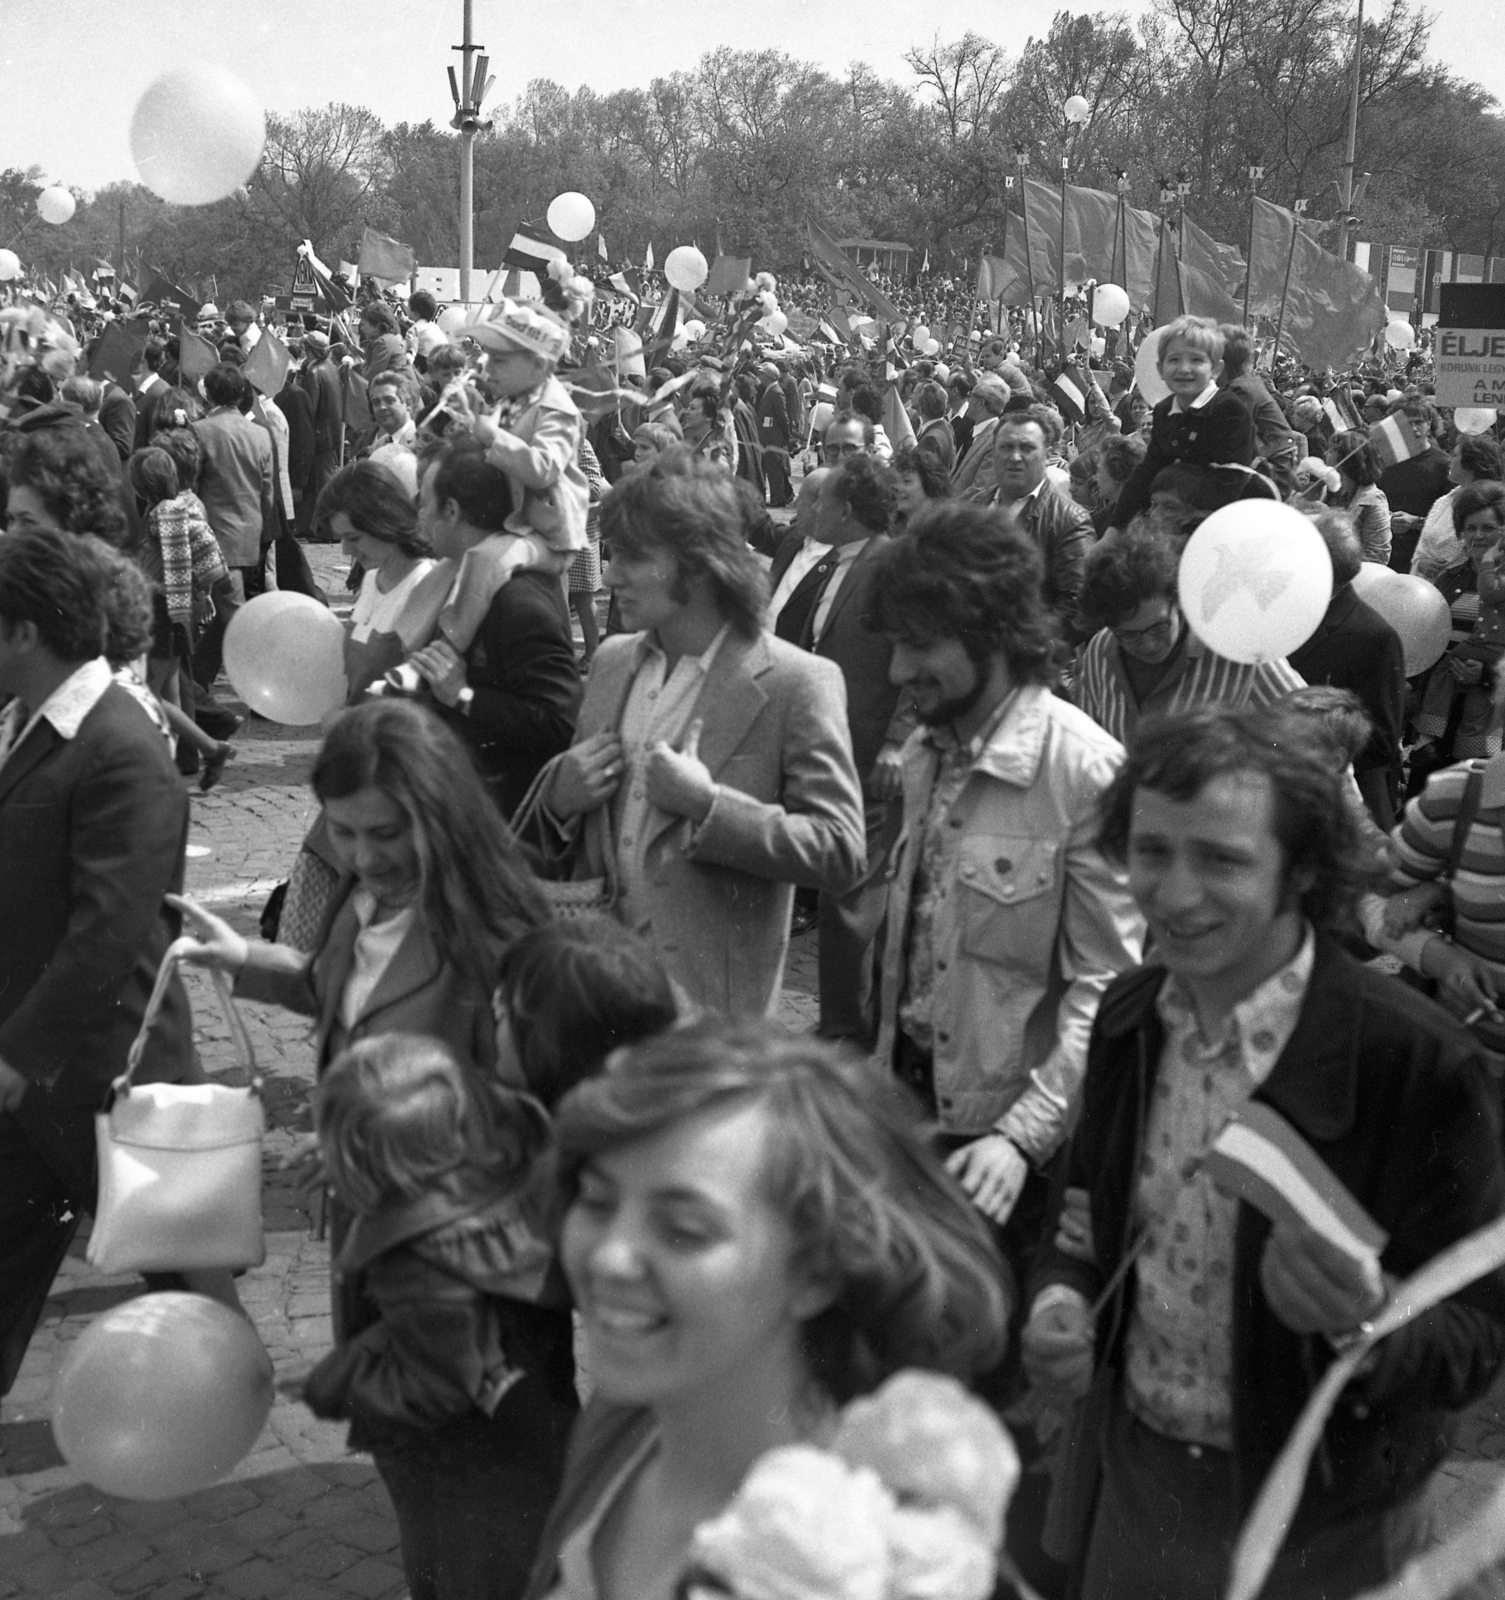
column 775, row 430
column 1240, row 850
column 514, row 694
column 1354, row 648
column 93, row 821
column 321, row 383
column 1411, row 488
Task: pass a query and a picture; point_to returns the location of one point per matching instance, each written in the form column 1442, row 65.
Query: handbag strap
column 238, row 1035
column 530, row 812
column 1468, row 810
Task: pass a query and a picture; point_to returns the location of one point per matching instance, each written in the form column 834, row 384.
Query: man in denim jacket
column 1006, row 922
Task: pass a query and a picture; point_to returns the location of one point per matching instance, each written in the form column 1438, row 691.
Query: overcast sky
column 71, row 71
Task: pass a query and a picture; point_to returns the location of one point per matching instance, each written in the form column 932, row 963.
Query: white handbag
column 180, row 1163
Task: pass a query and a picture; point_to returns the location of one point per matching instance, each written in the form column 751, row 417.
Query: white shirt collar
column 67, row 706
column 649, row 645
column 1202, row 399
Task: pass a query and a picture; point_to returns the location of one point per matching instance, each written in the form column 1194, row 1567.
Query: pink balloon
column 1413, row 607
column 161, row 1396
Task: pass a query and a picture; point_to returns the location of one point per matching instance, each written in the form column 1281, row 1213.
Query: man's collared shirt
column 659, row 706
column 936, row 870
column 846, row 558
column 65, row 708
column 809, row 555
column 1179, row 1346
column 1021, row 506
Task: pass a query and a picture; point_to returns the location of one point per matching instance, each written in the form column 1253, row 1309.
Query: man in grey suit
column 717, row 755
column 238, row 488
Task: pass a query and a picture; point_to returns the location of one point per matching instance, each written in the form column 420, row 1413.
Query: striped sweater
column 1199, row 678
column 1422, row 842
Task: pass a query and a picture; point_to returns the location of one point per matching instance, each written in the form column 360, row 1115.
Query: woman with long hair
column 756, row 1232
column 432, row 891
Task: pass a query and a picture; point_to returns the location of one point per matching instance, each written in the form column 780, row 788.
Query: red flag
column 1333, row 309
column 896, row 423
column 838, row 270
column 729, row 275
column 1206, row 267
column 384, row 258
column 266, row 366
column 196, row 355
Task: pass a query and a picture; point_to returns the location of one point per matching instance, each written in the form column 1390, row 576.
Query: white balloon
column 918, row 335
column 1147, row 369
column 197, row 135
column 932, row 347
column 55, row 205
column 776, row 322
column 10, row 265
column 285, row 655
column 694, row 330
column 571, row 216
column 1110, row 305
column 1400, row 335
column 1077, row 109
column 686, row 268
column 1255, row 580
column 451, row 319
column 1473, row 419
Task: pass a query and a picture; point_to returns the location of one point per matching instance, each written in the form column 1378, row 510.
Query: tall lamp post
column 469, row 91
column 1075, row 113
column 1255, row 174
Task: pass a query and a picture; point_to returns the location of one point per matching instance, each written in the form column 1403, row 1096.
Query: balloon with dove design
column 1255, row 581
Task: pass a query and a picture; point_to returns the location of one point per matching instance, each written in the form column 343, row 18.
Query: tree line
column 738, row 151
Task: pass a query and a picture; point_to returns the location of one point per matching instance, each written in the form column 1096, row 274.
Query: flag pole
column 1029, row 257
column 1285, row 288
column 1255, row 174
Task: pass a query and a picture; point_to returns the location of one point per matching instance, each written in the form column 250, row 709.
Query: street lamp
column 469, row 91
column 1255, row 174
column 1075, row 114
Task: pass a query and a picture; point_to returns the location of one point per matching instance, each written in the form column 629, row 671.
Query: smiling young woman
column 756, row 1232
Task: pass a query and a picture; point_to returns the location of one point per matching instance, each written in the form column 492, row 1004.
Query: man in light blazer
column 714, row 757
column 93, row 821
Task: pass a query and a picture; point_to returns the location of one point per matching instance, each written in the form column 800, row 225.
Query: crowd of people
column 1083, row 891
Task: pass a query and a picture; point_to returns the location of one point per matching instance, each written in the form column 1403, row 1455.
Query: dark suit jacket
column 1213, row 435
column 521, row 665
column 1355, row 648
column 295, row 405
column 862, row 654
column 321, row 383
column 92, row 831
column 117, row 416
column 1412, row 486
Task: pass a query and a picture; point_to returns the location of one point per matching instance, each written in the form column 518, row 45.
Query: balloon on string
column 775, row 322
column 55, row 205
column 694, row 330
column 197, row 135
column 932, row 347
column 285, row 656
column 160, row 1396
column 1400, row 335
column 686, row 268
column 1473, row 419
column 10, row 265
column 1415, row 608
column 918, row 335
column 452, row 319
column 1147, row 368
column 1110, row 305
column 1255, row 580
column 1077, row 109
column 570, row 216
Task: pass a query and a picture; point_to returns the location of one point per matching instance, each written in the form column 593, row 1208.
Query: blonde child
column 535, row 439
column 457, row 1373
column 1197, row 423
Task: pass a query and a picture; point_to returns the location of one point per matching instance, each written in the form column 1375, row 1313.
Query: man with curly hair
column 1006, row 922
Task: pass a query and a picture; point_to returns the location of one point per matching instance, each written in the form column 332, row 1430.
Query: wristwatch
column 465, row 700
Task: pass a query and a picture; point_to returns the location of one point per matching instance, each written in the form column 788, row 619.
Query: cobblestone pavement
column 299, row 1518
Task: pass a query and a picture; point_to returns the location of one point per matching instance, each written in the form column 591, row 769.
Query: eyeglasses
column 839, row 452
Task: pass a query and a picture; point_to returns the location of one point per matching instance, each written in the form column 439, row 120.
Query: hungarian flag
column 161, row 291
column 1261, row 1158
column 627, row 352
column 1395, row 440
column 530, row 251
column 266, row 366
column 629, row 283
column 1339, row 410
column 1069, row 394
column 648, row 258
column 601, row 248
column 385, row 259
column 663, row 326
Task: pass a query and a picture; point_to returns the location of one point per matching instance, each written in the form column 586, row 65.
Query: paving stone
column 148, row 1575
column 179, row 1589
column 370, row 1578
column 372, row 1534
column 326, row 1559
column 83, row 1532
column 256, row 1580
